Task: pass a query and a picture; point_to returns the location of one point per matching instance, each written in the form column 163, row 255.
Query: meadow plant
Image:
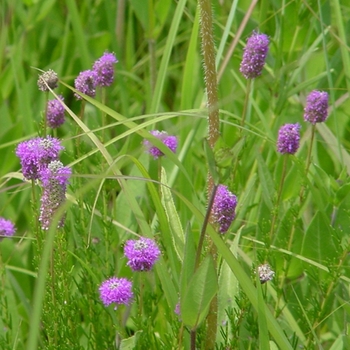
column 273, row 274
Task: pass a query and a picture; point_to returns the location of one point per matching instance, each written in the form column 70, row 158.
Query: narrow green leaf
column 202, row 288
column 266, row 181
column 173, row 218
column 263, row 332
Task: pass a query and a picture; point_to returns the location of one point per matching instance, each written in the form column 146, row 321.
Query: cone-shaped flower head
column 55, row 113
column 254, row 55
column 86, row 83
column 141, row 254
column 316, row 110
column 224, row 206
column 265, row 273
column 169, row 141
column 54, row 180
column 35, row 154
column 116, row 290
column 104, row 68
column 288, row 138
column 48, row 78
column 7, row 228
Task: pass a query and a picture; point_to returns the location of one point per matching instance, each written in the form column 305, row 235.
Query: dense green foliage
column 49, row 279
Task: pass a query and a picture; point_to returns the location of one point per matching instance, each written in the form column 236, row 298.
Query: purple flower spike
column 288, row 138
column 316, row 110
column 54, row 180
column 116, row 290
column 104, row 68
column 169, row 141
column 36, row 153
column 7, row 228
column 141, row 254
column 86, row 83
column 55, row 113
column 254, row 55
column 224, row 206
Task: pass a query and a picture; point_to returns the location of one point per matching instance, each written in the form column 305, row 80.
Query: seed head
column 48, row 78
column 265, row 273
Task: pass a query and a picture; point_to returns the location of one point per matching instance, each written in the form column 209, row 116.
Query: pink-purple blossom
column 288, row 138
column 116, row 290
column 7, row 228
column 35, row 154
column 254, row 56
column 169, row 141
column 54, row 180
column 104, row 68
column 224, row 206
column 316, row 109
column 86, row 83
column 55, row 113
column 141, row 254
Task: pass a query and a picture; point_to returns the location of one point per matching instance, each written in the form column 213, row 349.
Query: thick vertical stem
column 213, row 130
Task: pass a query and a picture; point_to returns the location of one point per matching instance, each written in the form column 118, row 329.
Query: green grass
column 49, row 280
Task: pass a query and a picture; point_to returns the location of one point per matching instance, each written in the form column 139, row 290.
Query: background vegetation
column 49, row 280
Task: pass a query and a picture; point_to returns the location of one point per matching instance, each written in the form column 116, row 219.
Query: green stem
column 275, row 214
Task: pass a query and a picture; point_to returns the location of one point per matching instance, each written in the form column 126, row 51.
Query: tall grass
column 50, row 279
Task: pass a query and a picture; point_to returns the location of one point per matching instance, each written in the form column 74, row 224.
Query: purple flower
column 141, row 254
column 316, row 110
column 86, row 83
column 7, row 228
column 48, row 78
column 55, row 113
column 288, row 138
column 169, row 141
column 224, row 206
column 54, row 180
column 36, row 153
column 254, row 55
column 104, row 68
column 116, row 290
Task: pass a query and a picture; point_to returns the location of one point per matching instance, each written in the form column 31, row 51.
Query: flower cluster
column 141, row 254
column 104, row 68
column 101, row 74
column 169, row 141
column 116, row 290
column 254, row 55
column 48, row 79
column 316, row 110
column 54, row 180
column 224, row 206
column 55, row 113
column 7, row 228
column 288, row 138
column 36, row 154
